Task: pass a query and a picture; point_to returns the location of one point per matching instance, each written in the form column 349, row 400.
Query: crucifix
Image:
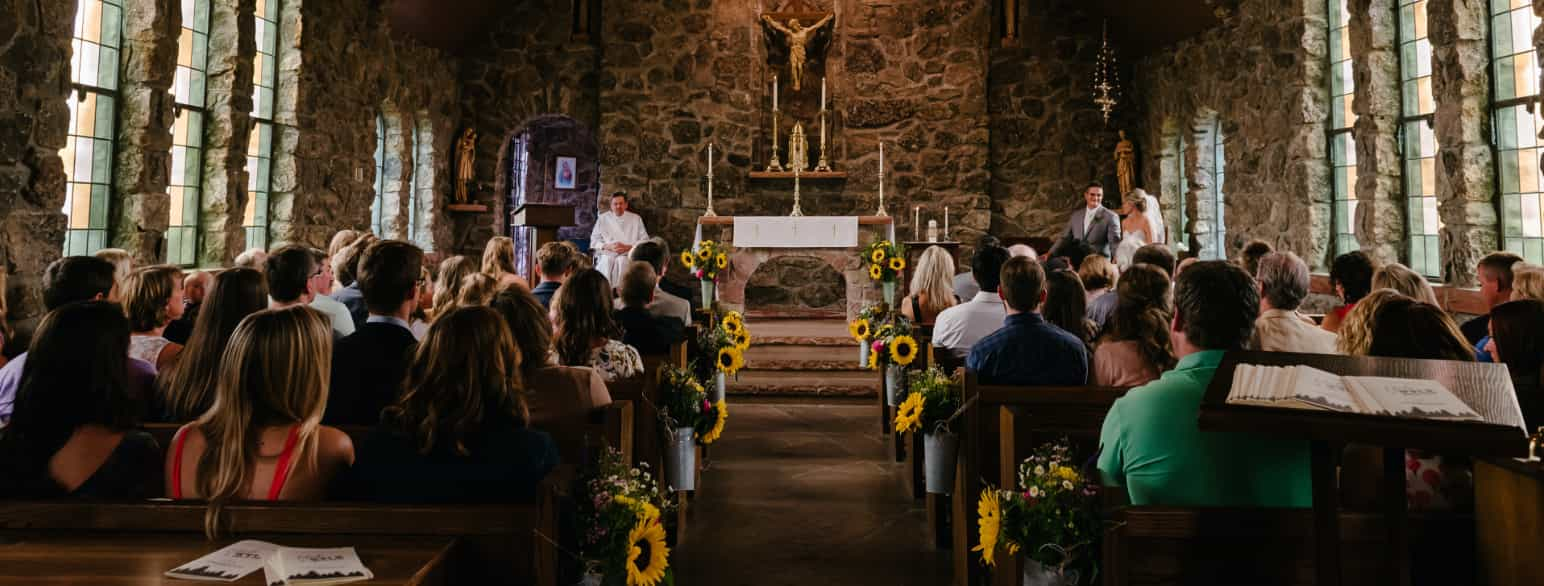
column 798, row 40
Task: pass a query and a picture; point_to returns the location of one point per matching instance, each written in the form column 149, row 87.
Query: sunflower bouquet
column 1051, row 518
column 931, row 402
column 621, row 535
column 684, row 403
column 727, row 343
column 885, row 260
column 706, row 260
column 892, row 344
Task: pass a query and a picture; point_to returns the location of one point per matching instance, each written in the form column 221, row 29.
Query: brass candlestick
column 710, row 212
column 796, row 211
column 823, row 166
column 881, row 211
column 775, row 166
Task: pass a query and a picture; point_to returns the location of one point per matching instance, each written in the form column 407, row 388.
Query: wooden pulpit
column 544, row 219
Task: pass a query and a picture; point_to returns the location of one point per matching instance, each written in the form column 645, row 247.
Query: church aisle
column 802, row 493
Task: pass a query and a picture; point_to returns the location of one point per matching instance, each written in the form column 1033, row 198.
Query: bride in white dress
column 1135, row 230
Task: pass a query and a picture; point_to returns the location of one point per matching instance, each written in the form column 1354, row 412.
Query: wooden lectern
column 545, row 219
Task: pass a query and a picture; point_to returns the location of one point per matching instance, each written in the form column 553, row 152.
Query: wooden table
column 142, row 558
column 1486, row 388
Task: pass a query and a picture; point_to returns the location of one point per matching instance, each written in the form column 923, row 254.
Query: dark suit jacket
column 543, row 292
column 367, row 371
column 1103, row 234
column 354, row 299
column 650, row 335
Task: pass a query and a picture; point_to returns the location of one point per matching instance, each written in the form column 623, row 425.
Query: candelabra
column 1106, row 77
column 881, row 211
column 796, row 211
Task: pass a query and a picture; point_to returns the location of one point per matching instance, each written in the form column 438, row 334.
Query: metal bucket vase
column 681, row 460
column 708, row 290
column 591, row 579
column 863, row 354
column 938, row 455
column 895, row 383
column 1037, row 574
column 888, row 287
column 719, row 382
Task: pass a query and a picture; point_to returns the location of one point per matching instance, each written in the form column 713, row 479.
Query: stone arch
column 549, row 136
column 1206, row 169
column 1174, row 184
column 398, row 170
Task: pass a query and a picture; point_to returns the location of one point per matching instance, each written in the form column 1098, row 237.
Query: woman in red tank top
column 262, row 438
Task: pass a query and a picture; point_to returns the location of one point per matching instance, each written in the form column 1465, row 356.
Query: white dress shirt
column 960, row 327
column 336, row 312
column 1088, row 218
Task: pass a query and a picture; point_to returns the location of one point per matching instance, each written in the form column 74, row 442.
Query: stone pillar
column 148, row 63
column 34, row 84
column 1379, row 224
column 227, row 128
column 286, row 204
column 1465, row 170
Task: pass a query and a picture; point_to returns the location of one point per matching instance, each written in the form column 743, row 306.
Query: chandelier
column 1106, row 77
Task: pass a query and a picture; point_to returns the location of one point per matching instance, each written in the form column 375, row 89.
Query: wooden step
column 843, row 383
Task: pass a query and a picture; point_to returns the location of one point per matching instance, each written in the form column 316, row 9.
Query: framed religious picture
column 565, row 172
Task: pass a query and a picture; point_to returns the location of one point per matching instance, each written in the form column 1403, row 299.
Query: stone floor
column 802, row 493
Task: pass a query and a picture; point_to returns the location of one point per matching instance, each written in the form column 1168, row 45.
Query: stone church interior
column 997, row 291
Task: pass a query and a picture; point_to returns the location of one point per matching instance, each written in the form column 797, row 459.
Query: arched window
column 421, row 204
column 1174, row 182
column 186, row 181
column 378, row 203
column 1342, row 119
column 1418, row 139
column 1219, row 177
column 1515, row 79
column 265, row 72
column 88, row 151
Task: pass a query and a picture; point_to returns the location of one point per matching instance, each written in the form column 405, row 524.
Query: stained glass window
column 188, row 134
column 265, row 67
column 1342, row 119
column 380, row 175
column 1515, row 76
column 1418, row 141
column 88, row 151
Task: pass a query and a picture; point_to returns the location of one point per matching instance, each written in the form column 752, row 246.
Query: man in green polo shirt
column 1150, row 443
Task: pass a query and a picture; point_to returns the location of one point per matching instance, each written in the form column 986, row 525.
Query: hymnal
column 1305, row 387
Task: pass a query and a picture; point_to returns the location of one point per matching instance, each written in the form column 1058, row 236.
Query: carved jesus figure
column 798, row 40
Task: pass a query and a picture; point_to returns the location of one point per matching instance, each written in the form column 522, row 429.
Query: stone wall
column 1261, row 73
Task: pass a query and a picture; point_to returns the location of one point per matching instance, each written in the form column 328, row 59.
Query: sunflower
column 687, row 259
column 859, row 328
column 703, row 254
column 722, row 261
column 897, row 263
column 909, row 416
column 742, row 340
column 646, row 511
column 878, row 256
column 990, row 525
column 903, row 350
column 712, row 435
column 876, row 272
column 651, row 535
column 732, row 323
column 873, row 360
column 730, row 360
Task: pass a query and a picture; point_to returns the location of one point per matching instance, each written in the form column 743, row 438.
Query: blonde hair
column 5, row 320
column 123, row 262
column 1400, row 278
column 1355, row 335
column 498, row 257
column 146, row 293
column 274, row 372
column 476, row 289
column 1527, row 281
column 447, row 287
column 1137, row 199
column 1097, row 272
column 340, row 240
column 933, row 281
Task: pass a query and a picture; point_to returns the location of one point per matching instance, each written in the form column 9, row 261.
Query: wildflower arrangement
column 862, row 328
column 684, row 403
column 885, row 260
column 892, row 344
column 932, row 399
column 706, row 260
column 1051, row 517
column 621, row 536
column 727, row 342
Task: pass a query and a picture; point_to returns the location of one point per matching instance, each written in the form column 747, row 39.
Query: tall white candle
column 916, row 222
column 881, row 172
column 774, row 92
column 710, row 171
column 822, row 93
column 946, row 223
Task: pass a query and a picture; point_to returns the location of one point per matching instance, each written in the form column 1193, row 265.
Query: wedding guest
column 1351, row 276
column 562, row 399
column 959, row 328
column 586, row 333
column 1028, row 350
column 369, row 366
column 187, row 388
column 1150, row 443
column 1249, row 257
column 420, row 319
column 1065, row 307
column 644, row 331
column 665, row 304
column 1098, row 275
column 1410, row 283
column 1355, row 335
column 263, row 440
column 459, row 432
column 320, row 284
column 1136, row 226
column 1183, row 264
column 73, row 432
column 1135, row 347
column 291, row 272
column 152, row 298
column 340, row 240
column 1092, row 224
column 932, row 287
column 1527, row 282
column 477, row 289
column 965, row 286
column 194, row 287
column 498, row 261
column 1283, row 281
column 1495, row 274
column 1157, row 255
column 554, row 264
column 345, row 268
column 251, row 258
column 447, row 286
column 122, row 261
column 68, row 280
column 1409, row 328
column 1515, row 341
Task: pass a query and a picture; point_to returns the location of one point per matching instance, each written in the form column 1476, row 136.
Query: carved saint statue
column 1125, row 164
column 466, row 151
column 798, row 40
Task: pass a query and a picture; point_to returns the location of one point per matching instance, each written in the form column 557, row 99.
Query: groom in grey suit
column 1094, row 225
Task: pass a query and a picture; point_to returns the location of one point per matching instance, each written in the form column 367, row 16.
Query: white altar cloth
column 796, row 232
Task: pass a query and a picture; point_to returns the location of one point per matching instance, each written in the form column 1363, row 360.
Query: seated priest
column 614, row 236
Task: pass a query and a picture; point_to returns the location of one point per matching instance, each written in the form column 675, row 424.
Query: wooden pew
column 1001, row 424
column 1509, row 520
column 1158, row 545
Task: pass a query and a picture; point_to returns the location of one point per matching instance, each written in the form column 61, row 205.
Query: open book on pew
column 1305, row 387
column 280, row 565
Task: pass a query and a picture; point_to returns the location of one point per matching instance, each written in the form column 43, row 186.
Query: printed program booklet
column 280, row 565
column 1305, row 387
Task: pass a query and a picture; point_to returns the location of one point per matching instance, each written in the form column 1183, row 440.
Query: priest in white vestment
column 614, row 236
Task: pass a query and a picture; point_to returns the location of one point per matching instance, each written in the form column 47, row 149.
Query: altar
column 832, row 239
